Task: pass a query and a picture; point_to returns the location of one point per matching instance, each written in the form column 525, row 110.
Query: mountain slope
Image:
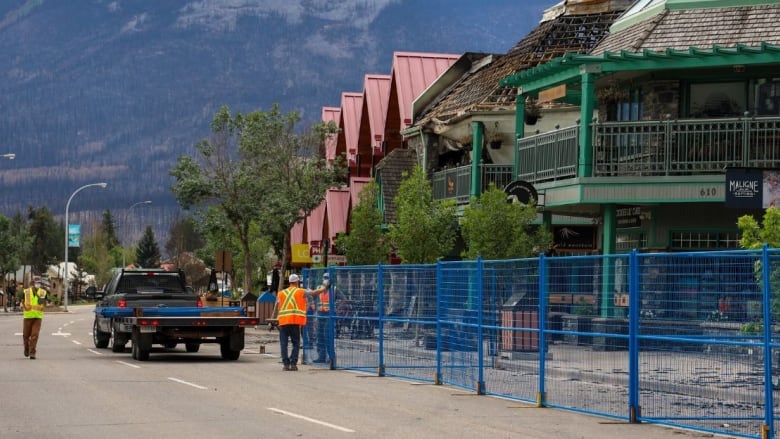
column 115, row 91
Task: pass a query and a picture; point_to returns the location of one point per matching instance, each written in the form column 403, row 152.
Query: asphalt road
column 73, row 390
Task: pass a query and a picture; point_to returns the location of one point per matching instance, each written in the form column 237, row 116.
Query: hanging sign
column 74, row 233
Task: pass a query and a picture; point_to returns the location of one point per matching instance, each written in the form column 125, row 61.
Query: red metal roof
column 314, row 223
column 337, row 201
column 351, row 106
column 356, row 184
column 376, row 93
column 411, row 74
column 331, row 114
column 296, row 233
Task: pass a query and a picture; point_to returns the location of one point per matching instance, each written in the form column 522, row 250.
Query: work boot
column 293, row 367
column 26, row 353
column 286, row 367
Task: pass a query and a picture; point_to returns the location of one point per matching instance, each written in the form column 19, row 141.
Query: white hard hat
column 294, row 278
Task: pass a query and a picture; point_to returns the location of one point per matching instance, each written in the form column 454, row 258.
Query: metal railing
column 654, row 148
column 456, row 182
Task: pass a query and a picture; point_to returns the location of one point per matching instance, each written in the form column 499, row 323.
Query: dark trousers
column 30, row 331
column 290, row 334
column 324, row 338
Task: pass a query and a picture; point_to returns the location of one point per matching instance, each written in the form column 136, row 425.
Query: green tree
column 109, row 230
column 96, row 257
column 184, row 237
column 255, row 169
column 754, row 236
column 47, row 239
column 425, row 229
column 9, row 256
column 147, row 254
column 365, row 244
column 293, row 169
column 495, row 229
column 22, row 239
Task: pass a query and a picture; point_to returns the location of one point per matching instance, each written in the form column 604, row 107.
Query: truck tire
column 227, row 353
column 142, row 345
column 230, row 346
column 192, row 347
column 118, row 340
column 99, row 337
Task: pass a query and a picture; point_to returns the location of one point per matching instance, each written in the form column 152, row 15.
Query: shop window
column 704, row 240
column 717, row 99
column 767, row 97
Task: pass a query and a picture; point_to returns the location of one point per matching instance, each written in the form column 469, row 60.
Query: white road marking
column 61, row 334
column 315, row 421
column 76, row 342
column 95, row 352
column 135, row 366
column 187, row 383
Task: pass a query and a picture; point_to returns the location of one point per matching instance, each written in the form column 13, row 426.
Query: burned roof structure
column 572, row 26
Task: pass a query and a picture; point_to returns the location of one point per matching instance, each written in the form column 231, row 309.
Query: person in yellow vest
column 290, row 311
column 34, row 301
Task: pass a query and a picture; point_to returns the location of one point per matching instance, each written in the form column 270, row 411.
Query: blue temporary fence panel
column 681, row 339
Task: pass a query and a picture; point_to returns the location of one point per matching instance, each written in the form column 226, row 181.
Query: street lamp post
column 67, row 208
column 125, row 224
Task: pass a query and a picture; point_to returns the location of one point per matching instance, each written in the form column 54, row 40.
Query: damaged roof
column 573, row 26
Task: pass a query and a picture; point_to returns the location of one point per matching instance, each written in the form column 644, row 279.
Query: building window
column 718, row 99
column 767, row 97
column 706, row 240
column 625, row 242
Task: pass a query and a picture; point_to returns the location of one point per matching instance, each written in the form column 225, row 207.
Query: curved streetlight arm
column 9, row 156
column 124, row 223
column 67, row 208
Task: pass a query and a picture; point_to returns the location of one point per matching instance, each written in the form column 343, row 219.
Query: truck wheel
column 118, row 342
column 227, row 353
column 100, row 338
column 141, row 346
column 192, row 347
column 230, row 348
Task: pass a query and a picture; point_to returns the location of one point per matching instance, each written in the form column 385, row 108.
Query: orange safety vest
column 292, row 306
column 324, row 302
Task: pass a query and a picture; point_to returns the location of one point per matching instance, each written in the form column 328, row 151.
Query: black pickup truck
column 153, row 306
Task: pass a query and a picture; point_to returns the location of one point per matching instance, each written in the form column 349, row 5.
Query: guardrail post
column 380, row 285
column 541, row 395
column 769, row 404
column 480, row 322
column 635, row 410
column 437, row 379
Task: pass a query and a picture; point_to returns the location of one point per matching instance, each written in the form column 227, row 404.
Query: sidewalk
column 538, row 422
